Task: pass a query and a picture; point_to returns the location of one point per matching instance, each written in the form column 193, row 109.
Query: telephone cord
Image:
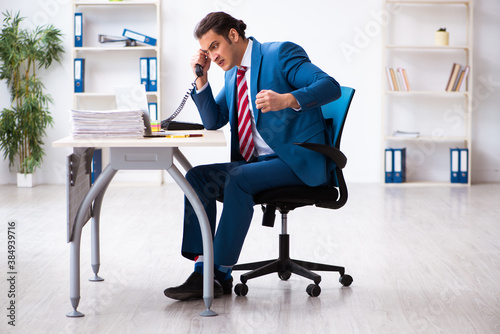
column 165, row 122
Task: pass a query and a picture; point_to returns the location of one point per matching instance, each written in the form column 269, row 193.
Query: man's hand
column 267, row 100
column 201, row 58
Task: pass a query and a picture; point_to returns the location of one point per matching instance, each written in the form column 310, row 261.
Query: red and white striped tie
column 244, row 122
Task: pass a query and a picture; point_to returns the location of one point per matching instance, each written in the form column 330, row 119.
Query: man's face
column 219, row 50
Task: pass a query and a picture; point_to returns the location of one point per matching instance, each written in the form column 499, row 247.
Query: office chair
column 286, row 199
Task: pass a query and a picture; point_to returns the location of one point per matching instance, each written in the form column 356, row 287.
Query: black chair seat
column 295, row 196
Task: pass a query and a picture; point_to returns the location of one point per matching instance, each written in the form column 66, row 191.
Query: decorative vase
column 441, row 38
column 26, row 180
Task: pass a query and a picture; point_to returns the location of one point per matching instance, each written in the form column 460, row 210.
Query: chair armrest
column 331, row 152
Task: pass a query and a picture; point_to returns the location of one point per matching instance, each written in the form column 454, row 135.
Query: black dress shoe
column 227, row 286
column 192, row 289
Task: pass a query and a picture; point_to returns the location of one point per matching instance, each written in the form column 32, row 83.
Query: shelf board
column 115, row 3
column 428, row 47
column 427, row 2
column 428, row 138
column 426, row 184
column 107, row 94
column 115, row 48
column 426, row 93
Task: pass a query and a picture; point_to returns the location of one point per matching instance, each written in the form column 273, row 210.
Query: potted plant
column 441, row 37
column 23, row 124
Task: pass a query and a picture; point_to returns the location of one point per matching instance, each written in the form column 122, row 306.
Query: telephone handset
column 199, row 70
column 168, row 124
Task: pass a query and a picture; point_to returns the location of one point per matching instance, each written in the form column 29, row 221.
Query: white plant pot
column 441, row 38
column 26, row 180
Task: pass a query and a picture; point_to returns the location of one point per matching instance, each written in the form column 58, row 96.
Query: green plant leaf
column 23, row 125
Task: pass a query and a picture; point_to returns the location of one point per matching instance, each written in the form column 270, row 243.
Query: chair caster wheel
column 241, row 289
column 313, row 290
column 285, row 275
column 345, row 280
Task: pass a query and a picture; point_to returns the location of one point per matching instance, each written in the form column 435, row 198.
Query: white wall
column 322, row 28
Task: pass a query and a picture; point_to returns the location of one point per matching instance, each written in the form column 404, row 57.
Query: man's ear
column 233, row 35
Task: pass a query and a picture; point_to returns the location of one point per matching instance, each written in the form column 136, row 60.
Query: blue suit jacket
column 283, row 67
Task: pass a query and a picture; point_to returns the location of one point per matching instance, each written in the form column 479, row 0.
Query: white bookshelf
column 107, row 65
column 442, row 118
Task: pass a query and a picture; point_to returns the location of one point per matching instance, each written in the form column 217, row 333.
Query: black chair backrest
column 336, row 113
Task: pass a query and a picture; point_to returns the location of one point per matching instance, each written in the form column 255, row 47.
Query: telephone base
column 174, row 125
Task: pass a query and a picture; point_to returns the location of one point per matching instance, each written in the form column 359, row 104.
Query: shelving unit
column 108, row 65
column 442, row 118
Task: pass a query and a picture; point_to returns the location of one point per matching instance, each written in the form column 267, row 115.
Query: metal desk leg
column 206, row 234
column 186, row 165
column 94, row 235
column 74, row 284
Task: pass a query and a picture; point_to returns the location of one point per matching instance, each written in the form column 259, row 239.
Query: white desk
column 84, row 201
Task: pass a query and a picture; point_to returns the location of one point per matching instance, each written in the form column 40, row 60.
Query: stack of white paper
column 107, row 123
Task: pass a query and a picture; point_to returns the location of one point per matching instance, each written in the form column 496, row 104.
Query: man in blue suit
column 282, row 92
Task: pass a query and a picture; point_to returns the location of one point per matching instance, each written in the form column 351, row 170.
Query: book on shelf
column 389, row 72
column 405, row 79
column 462, row 78
column 406, row 134
column 397, row 79
column 458, row 77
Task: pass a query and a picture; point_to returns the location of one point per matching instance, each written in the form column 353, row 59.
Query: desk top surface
column 209, row 138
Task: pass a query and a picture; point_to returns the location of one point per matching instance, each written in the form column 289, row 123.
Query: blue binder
column 464, row 165
column 454, row 165
column 399, row 163
column 144, row 71
column 153, row 87
column 96, row 164
column 153, row 111
column 78, row 30
column 79, row 75
column 139, row 37
column 389, row 165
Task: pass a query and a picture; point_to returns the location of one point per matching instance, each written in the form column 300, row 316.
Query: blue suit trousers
column 236, row 182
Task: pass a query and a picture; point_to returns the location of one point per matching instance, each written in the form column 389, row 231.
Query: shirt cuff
column 198, row 91
column 300, row 107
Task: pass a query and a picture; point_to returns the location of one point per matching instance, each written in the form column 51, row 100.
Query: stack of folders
column 107, row 123
column 459, row 165
column 395, row 165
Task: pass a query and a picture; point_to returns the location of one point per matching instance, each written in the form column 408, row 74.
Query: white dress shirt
column 261, row 147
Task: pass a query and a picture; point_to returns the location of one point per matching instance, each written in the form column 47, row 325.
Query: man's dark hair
column 221, row 23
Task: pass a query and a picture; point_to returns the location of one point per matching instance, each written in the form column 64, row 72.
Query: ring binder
column 144, row 72
column 399, row 160
column 79, row 75
column 389, row 166
column 153, row 111
column 454, row 165
column 139, row 37
column 464, row 166
column 115, row 39
column 152, row 82
column 78, row 30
